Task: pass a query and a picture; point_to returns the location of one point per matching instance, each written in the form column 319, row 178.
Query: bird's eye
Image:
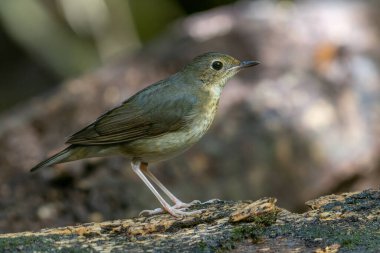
column 217, row 65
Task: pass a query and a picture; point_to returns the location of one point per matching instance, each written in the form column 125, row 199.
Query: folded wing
column 139, row 117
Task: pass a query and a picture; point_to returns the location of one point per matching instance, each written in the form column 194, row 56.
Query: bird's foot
column 179, row 213
column 151, row 212
column 211, row 201
column 180, row 205
column 176, row 210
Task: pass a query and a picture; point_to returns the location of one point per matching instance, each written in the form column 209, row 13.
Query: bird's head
column 215, row 68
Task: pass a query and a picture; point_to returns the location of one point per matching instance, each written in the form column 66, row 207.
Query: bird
column 157, row 123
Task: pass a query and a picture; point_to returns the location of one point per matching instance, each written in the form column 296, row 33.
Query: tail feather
column 57, row 158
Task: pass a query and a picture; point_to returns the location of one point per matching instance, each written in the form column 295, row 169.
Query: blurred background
column 303, row 123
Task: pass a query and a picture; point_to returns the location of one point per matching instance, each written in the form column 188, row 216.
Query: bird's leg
column 136, row 166
column 178, row 204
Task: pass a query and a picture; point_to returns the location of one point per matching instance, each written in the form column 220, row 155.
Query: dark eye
column 217, row 65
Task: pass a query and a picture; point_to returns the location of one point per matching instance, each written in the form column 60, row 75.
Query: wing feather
column 145, row 115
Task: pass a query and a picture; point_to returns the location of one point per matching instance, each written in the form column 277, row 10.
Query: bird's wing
column 145, row 115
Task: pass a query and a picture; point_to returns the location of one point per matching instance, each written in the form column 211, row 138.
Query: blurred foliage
column 46, row 41
column 149, row 22
column 195, row 6
column 21, row 76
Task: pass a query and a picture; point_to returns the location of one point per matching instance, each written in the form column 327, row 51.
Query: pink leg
column 178, row 204
column 137, row 166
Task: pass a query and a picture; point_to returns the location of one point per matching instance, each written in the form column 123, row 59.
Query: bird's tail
column 63, row 156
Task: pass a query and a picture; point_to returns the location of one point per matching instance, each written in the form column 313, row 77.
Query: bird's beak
column 246, row 64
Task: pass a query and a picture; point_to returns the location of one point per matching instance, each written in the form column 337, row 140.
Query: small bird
column 157, row 123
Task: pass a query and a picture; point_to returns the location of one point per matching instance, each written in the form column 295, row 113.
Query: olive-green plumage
column 158, row 122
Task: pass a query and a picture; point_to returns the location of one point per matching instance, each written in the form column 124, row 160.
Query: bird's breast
column 173, row 143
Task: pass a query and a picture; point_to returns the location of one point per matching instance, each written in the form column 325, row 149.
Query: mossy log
column 349, row 222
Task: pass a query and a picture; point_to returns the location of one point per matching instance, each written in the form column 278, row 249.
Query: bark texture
column 347, row 222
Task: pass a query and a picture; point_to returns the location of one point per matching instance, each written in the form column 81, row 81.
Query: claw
column 151, row 212
column 178, row 210
column 180, row 214
column 180, row 205
column 195, row 202
column 211, row 201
